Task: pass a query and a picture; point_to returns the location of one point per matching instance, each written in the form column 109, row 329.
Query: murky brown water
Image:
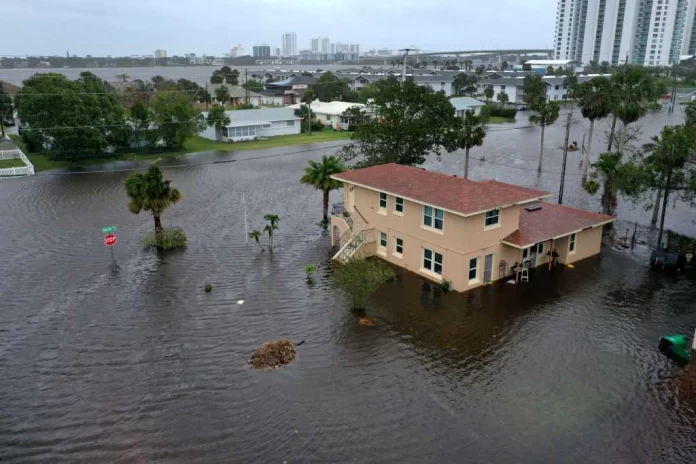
column 138, row 364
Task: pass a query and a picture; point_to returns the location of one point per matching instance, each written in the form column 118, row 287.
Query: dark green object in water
column 676, row 346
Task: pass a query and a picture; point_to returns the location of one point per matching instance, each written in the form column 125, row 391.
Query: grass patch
column 11, row 163
column 499, row 120
column 171, row 239
column 196, row 144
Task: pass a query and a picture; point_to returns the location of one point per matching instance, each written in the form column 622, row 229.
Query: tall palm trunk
column 218, row 133
column 656, row 208
column 158, row 227
column 466, row 164
column 541, row 151
column 2, row 128
column 611, row 134
column 309, row 118
column 588, row 157
column 326, row 205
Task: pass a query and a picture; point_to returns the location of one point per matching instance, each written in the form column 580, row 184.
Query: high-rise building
column 262, row 51
column 315, row 45
column 236, row 52
column 276, row 51
column 160, row 53
column 325, row 45
column 290, row 44
column 646, row 32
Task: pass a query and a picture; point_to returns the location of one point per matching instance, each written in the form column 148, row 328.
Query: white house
column 463, row 104
column 331, row 113
column 512, row 86
column 273, row 97
column 253, row 124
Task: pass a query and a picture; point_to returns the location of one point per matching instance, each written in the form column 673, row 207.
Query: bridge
column 511, row 51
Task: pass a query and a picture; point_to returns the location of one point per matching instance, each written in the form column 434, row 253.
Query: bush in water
column 169, row 239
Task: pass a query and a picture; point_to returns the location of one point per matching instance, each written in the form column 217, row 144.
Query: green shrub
column 360, row 278
column 208, row 288
column 502, row 112
column 310, row 269
column 317, row 126
column 169, row 240
column 446, row 285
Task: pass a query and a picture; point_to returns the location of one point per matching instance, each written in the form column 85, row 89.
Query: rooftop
column 258, row 116
column 551, row 62
column 552, row 221
column 458, row 196
column 465, row 103
column 333, row 108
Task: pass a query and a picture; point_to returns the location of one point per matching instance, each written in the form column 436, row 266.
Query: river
column 136, row 363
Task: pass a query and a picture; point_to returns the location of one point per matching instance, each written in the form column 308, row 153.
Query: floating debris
column 240, row 301
column 208, row 288
column 273, row 354
column 365, row 322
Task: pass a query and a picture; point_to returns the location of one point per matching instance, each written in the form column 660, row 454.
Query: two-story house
column 447, row 228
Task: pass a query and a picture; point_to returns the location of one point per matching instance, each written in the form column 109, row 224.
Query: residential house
column 463, row 104
column 294, row 88
column 447, row 228
column 273, row 97
column 253, row 124
column 331, row 113
column 512, row 86
column 440, row 83
column 238, row 94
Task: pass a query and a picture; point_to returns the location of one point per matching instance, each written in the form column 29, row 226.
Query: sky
column 138, row 27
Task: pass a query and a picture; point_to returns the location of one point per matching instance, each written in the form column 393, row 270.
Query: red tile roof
column 440, row 190
column 552, row 221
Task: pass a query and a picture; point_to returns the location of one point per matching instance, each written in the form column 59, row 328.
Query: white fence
column 26, row 170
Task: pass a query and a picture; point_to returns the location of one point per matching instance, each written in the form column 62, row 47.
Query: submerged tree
column 149, row 191
column 471, row 136
column 593, row 98
column 318, row 175
column 546, row 114
column 360, row 278
column 218, row 118
column 271, row 227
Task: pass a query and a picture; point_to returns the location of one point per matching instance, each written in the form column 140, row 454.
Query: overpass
column 511, row 51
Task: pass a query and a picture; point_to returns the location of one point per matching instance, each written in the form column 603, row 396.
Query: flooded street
column 138, row 364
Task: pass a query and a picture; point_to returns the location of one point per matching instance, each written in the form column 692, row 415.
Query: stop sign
column 110, row 240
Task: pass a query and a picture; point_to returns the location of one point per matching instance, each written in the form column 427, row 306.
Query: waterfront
column 138, row 364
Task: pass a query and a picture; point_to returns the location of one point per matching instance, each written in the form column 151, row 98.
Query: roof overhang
column 527, row 245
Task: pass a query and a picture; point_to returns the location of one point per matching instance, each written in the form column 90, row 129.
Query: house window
column 382, row 200
column 492, row 217
column 383, row 240
column 433, row 217
column 473, row 265
column 540, row 249
column 432, row 261
column 399, row 246
column 399, row 205
column 224, row 132
column 291, row 122
column 571, row 246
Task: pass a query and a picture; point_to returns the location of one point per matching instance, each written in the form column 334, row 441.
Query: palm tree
column 488, row 93
column 218, row 118
column 256, row 234
column 123, row 77
column 547, row 113
column 307, row 99
column 435, row 62
column 503, row 97
column 222, row 94
column 472, row 135
column 593, row 99
column 150, row 192
column 273, row 220
column 318, row 175
column 393, row 63
column 504, row 66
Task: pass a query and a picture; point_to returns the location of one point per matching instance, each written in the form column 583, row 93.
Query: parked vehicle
column 521, row 108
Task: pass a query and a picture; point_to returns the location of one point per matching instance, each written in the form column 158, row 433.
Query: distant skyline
column 85, row 27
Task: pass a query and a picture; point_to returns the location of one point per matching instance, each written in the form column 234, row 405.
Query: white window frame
column 383, row 240
column 572, row 243
column 398, row 243
column 383, row 197
column 433, row 262
column 397, row 205
column 486, row 217
column 475, row 269
column 433, row 219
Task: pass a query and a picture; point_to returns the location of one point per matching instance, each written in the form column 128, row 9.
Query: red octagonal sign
column 110, row 240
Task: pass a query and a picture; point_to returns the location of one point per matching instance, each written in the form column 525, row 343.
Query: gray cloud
column 213, row 26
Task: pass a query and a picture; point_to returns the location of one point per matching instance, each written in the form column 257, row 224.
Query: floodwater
column 136, row 363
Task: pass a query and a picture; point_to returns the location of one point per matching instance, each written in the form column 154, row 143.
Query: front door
column 488, row 268
column 533, row 256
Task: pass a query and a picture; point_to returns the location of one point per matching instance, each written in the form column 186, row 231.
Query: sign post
column 110, row 239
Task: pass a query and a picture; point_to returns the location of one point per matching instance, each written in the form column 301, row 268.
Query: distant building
column 276, row 51
column 331, row 113
column 160, row 53
column 314, row 48
column 290, row 44
column 236, row 52
column 262, row 51
column 325, row 45
column 352, row 51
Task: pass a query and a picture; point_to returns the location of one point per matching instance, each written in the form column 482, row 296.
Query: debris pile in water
column 273, row 354
column 365, row 322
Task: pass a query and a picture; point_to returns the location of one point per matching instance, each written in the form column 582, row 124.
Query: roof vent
column 533, row 208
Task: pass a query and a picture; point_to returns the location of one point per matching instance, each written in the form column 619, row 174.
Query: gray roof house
column 257, row 123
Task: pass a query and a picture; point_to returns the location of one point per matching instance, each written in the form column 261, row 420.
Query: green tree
column 593, row 98
column 503, row 98
column 330, row 88
column 307, row 99
column 550, row 71
column 471, row 136
column 615, row 176
column 140, row 120
column 367, row 93
column 149, row 191
column 232, row 78
column 504, row 66
column 360, row 278
column 253, row 84
column 123, row 77
column 435, row 63
column 546, row 114
column 222, row 94
column 6, row 109
column 404, row 124
column 526, row 67
column 218, row 117
column 464, row 83
column 488, row 92
column 271, row 227
column 217, row 77
column 534, row 89
column 318, row 175
column 604, row 67
column 176, row 119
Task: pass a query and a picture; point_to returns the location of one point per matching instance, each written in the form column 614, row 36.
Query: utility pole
column 246, row 86
column 403, row 72
column 666, row 198
column 206, row 95
column 565, row 157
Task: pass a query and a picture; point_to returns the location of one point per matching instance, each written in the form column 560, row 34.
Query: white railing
column 26, row 170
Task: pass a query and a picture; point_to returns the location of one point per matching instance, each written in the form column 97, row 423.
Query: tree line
column 70, row 119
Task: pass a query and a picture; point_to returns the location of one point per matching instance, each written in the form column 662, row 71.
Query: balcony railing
column 337, row 209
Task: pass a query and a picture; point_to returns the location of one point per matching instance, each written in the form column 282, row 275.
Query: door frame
column 485, row 269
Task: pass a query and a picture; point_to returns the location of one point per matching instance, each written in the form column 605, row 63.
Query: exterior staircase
column 357, row 240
